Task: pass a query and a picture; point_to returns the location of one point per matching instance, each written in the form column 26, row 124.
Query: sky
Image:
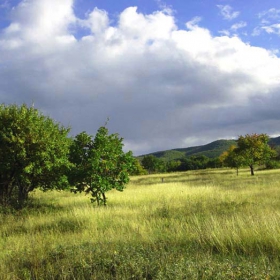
column 167, row 74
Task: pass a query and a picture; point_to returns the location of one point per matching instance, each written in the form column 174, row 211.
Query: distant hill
column 211, row 150
column 273, row 142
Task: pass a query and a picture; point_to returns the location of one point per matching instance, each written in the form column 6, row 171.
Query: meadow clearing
column 205, row 224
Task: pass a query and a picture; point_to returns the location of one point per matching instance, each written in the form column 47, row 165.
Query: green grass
column 206, row 224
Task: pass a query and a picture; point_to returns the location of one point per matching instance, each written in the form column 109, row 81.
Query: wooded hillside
column 211, row 150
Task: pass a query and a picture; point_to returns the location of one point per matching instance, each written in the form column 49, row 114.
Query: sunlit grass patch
column 208, row 224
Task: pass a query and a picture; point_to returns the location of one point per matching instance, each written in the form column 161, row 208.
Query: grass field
column 208, row 224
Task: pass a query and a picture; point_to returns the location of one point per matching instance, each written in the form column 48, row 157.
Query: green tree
column 138, row 168
column 232, row 158
column 33, row 153
column 99, row 164
column 199, row 161
column 214, row 163
column 173, row 165
column 153, row 164
column 254, row 149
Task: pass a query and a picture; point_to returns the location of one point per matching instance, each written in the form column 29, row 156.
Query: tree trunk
column 252, row 170
column 7, row 193
column 4, row 198
column 22, row 196
column 104, row 199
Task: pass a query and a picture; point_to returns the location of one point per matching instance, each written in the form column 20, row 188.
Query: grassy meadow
column 206, row 224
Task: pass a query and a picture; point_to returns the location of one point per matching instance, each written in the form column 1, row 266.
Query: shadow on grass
column 158, row 260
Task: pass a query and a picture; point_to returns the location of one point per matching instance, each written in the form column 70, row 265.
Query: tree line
column 37, row 152
column 250, row 150
column 152, row 164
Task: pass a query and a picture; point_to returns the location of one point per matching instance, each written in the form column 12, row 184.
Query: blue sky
column 168, row 74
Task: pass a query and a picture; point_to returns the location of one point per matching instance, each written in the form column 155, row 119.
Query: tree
column 214, row 163
column 199, row 161
column 33, row 153
column 153, row 164
column 173, row 165
column 99, row 164
column 138, row 168
column 254, row 149
column 149, row 162
column 232, row 158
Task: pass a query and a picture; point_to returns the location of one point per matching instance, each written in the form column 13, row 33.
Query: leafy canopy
column 33, row 153
column 153, row 164
column 99, row 164
column 251, row 149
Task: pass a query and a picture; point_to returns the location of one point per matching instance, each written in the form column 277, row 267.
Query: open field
column 207, row 224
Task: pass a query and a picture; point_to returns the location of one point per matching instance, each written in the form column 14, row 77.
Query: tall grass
column 208, row 224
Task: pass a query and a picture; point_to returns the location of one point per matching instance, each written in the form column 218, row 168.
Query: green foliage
column 231, row 158
column 153, row 164
column 211, row 150
column 197, row 162
column 99, row 164
column 33, row 153
column 251, row 149
column 273, row 164
column 254, row 149
column 138, row 168
column 173, row 165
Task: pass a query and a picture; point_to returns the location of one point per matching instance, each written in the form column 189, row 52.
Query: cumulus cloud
column 97, row 21
column 227, row 12
column 162, row 87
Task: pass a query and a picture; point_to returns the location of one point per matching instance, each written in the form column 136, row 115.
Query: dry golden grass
column 206, row 224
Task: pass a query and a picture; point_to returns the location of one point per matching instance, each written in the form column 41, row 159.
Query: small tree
column 33, row 153
column 138, row 168
column 231, row 158
column 199, row 161
column 149, row 162
column 99, row 164
column 173, row 165
column 254, row 149
column 153, row 164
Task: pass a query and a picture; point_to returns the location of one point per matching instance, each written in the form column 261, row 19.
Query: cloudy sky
column 168, row 74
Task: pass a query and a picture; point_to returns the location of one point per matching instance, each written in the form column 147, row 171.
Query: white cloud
column 164, row 7
column 42, row 21
column 257, row 31
column 272, row 29
column 97, row 21
column 234, row 29
column 225, row 32
column 160, row 85
column 270, row 22
column 192, row 24
column 227, row 12
column 272, row 13
column 238, row 25
column 138, row 26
